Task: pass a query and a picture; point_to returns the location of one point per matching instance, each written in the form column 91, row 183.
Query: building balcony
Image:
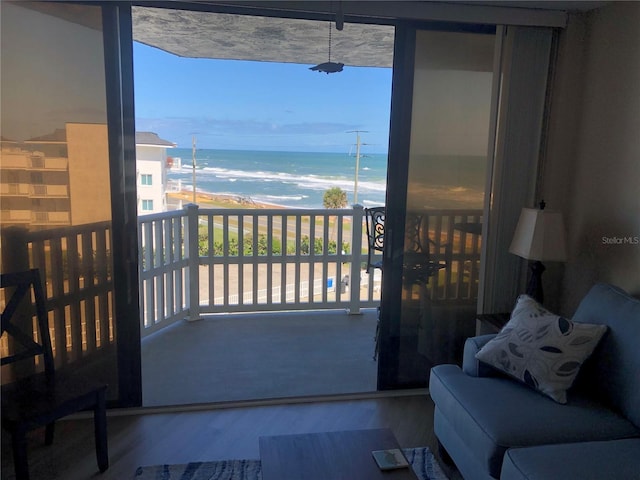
column 13, row 217
column 14, row 189
column 31, row 190
column 48, row 191
column 50, row 218
column 24, row 160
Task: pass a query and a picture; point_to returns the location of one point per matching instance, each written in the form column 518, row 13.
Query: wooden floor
column 216, row 434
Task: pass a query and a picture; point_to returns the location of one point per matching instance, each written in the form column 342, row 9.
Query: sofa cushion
column 541, row 349
column 574, row 461
column 492, row 414
column 613, row 371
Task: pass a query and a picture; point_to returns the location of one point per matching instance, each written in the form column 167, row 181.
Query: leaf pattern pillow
column 542, row 350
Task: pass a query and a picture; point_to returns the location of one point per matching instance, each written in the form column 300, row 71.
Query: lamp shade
column 540, row 236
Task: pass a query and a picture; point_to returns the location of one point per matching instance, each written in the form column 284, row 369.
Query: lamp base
column 534, row 288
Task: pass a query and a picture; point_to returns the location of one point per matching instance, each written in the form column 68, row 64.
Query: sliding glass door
column 440, row 136
column 64, row 191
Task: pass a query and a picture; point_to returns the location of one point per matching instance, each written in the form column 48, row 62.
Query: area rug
column 421, row 459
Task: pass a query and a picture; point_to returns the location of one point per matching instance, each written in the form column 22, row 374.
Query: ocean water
column 299, row 179
column 292, row 179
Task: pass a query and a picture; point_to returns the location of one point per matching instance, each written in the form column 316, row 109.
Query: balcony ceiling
column 266, row 39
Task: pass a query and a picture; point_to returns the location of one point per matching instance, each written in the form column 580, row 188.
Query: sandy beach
column 211, row 200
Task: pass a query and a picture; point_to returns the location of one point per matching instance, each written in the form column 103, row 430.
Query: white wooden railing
column 198, row 261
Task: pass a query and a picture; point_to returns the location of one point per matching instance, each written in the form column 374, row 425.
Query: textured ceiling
column 240, row 37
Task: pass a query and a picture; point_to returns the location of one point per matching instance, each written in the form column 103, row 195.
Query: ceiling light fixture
column 329, row 66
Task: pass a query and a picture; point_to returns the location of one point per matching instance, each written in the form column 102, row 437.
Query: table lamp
column 540, row 237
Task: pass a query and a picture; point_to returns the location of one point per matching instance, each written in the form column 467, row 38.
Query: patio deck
column 237, row 357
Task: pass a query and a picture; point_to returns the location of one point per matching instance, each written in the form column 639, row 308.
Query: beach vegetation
column 318, row 246
column 233, row 247
column 334, row 197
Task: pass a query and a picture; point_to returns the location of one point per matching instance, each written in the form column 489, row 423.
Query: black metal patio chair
column 375, row 235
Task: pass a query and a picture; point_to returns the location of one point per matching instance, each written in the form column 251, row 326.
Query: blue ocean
column 299, row 180
column 291, row 179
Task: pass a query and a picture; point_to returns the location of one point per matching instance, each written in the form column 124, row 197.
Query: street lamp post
column 193, row 165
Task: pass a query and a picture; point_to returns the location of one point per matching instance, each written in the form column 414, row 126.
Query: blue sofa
column 495, row 427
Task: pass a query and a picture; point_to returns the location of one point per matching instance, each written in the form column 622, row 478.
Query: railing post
column 356, row 252
column 193, row 260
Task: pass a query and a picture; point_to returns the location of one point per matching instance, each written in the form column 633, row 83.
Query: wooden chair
column 40, row 397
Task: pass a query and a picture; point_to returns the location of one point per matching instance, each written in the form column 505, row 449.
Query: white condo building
column 151, row 166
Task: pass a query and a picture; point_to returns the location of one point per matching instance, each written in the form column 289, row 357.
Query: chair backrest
column 375, row 228
column 375, row 235
column 417, row 234
column 23, row 299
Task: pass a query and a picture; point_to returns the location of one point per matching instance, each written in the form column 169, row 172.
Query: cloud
column 239, row 127
column 319, row 128
column 251, row 134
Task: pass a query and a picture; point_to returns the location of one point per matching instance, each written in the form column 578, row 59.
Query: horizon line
column 254, row 149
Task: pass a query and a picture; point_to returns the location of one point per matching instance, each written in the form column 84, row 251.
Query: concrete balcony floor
column 237, row 357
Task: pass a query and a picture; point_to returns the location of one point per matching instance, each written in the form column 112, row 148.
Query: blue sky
column 230, row 104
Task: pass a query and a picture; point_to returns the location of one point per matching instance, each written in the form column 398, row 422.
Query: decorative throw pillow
column 543, row 350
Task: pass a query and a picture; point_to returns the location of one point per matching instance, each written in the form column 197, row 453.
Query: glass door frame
column 118, row 41
column 395, row 204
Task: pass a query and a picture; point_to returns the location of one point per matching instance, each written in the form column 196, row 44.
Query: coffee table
column 342, row 455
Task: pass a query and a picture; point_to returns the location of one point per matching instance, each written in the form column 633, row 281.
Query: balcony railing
column 197, row 261
column 74, row 264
